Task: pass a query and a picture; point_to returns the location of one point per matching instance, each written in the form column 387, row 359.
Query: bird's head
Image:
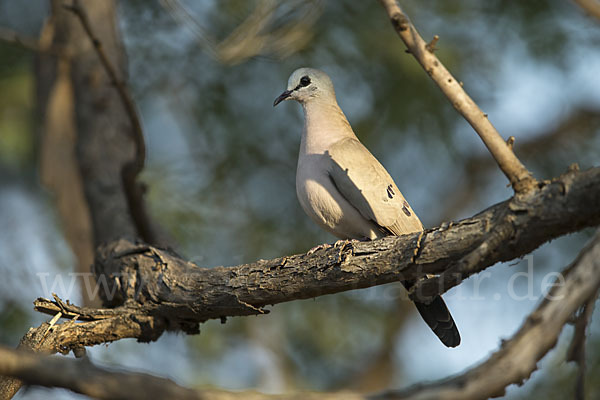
column 306, row 84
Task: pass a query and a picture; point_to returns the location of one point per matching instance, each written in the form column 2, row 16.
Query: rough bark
column 153, row 290
column 516, row 359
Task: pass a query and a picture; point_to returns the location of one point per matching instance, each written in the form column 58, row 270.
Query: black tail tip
column 439, row 319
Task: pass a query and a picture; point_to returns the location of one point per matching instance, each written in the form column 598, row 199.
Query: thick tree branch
column 185, row 294
column 154, row 290
column 513, row 363
column 99, row 326
column 519, row 177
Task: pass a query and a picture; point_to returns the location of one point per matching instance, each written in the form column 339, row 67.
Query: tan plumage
column 365, row 183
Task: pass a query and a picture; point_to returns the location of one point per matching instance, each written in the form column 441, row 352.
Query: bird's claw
column 344, row 242
column 323, row 246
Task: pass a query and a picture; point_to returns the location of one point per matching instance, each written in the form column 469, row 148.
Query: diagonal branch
column 519, row 177
column 518, row 357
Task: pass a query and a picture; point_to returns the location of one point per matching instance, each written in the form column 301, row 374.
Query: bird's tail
column 439, row 319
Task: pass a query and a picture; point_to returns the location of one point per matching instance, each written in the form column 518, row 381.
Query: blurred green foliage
column 16, row 108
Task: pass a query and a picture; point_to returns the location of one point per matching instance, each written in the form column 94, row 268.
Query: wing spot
column 390, row 192
column 405, row 208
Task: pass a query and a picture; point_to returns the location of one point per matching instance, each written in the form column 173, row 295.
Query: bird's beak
column 283, row 96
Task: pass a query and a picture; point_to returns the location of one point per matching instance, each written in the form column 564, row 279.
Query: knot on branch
column 400, row 22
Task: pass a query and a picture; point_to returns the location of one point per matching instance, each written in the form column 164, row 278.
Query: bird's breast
column 315, row 194
column 324, row 204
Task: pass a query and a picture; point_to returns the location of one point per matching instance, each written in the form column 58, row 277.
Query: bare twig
column 431, row 45
column 510, row 142
column 519, row 177
column 580, row 125
column 592, row 7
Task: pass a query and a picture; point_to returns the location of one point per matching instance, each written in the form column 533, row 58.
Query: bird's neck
column 324, row 125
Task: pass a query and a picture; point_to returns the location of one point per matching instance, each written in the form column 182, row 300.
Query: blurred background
column 221, row 162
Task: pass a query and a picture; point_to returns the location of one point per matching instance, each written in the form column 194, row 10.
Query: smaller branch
column 431, row 45
column 518, row 357
column 100, row 326
column 576, row 128
column 89, row 326
column 81, row 376
column 133, row 190
column 427, row 289
column 592, row 7
column 510, row 142
column 68, row 310
column 519, row 177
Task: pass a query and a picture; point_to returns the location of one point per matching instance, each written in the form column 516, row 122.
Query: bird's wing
column 365, row 183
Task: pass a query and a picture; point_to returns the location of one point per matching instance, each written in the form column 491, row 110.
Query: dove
column 344, row 189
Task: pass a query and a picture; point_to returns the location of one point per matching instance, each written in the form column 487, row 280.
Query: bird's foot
column 344, row 242
column 343, row 245
column 323, row 246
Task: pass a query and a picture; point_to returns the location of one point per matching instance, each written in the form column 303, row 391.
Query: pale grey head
column 306, row 84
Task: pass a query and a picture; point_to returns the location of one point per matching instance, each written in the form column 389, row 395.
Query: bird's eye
column 305, row 81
